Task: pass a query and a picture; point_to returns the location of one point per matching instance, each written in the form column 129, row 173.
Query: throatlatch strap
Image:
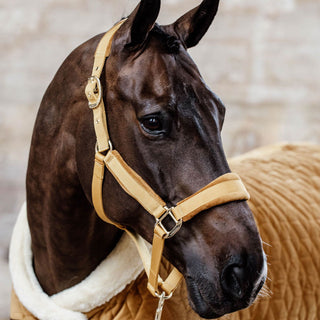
column 226, row 188
column 97, row 183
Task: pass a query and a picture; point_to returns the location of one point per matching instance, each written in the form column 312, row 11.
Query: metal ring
column 110, row 145
column 163, row 295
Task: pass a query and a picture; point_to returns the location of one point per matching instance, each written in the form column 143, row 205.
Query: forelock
column 170, row 43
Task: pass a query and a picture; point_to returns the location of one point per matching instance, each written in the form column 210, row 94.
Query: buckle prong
column 97, row 90
column 175, row 229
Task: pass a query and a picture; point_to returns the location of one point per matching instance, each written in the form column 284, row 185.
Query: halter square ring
column 175, row 228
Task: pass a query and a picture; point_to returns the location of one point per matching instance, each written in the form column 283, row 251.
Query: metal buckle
column 175, row 229
column 99, row 88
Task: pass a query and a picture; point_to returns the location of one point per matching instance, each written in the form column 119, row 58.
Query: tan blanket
column 284, row 183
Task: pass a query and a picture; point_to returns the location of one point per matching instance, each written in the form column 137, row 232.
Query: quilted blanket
column 284, row 183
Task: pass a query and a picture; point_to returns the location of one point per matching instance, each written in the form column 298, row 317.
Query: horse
column 166, row 123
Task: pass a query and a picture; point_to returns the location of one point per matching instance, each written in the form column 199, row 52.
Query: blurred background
column 261, row 57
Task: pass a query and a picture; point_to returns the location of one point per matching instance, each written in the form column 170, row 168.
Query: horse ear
column 143, row 19
column 192, row 26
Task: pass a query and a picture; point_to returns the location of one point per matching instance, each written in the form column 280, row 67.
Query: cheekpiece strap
column 94, row 89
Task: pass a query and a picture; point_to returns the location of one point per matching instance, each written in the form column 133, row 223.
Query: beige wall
column 262, row 57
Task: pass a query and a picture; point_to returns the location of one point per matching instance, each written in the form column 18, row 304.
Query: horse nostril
column 234, row 280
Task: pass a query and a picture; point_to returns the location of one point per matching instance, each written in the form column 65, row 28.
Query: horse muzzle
column 232, row 289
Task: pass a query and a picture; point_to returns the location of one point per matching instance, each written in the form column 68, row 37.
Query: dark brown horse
column 166, row 124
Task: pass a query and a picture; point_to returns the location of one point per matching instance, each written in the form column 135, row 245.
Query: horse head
column 166, row 123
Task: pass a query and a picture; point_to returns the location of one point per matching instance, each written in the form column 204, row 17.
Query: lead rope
column 225, row 188
column 162, row 299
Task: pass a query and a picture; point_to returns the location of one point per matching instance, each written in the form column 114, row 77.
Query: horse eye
column 152, row 124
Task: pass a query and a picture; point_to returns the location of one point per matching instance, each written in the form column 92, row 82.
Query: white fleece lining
column 122, row 266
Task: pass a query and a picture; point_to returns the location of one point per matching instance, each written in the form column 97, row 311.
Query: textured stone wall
column 261, row 57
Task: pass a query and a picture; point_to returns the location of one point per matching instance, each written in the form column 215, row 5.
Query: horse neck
column 68, row 239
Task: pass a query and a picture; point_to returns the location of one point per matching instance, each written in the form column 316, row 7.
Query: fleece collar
column 121, row 267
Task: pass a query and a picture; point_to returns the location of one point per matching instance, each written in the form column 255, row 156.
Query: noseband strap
column 224, row 189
